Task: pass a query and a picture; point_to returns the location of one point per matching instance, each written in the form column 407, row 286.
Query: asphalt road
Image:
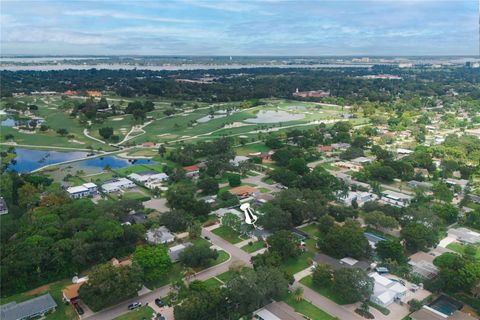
column 235, row 255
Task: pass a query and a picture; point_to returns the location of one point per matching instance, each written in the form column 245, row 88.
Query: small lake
column 31, row 159
column 270, row 116
column 208, row 118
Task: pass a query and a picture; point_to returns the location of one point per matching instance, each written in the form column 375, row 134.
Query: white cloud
column 58, row 36
column 122, row 15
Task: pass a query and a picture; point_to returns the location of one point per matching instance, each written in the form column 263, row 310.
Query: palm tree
column 187, row 273
column 298, row 294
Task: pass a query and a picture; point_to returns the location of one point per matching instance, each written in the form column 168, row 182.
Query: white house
column 238, row 160
column 159, row 235
column 85, row 190
column 117, row 184
column 396, row 199
column 147, row 176
column 360, row 196
column 386, row 291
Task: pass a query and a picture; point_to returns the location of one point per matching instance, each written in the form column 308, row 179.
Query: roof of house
column 174, row 252
column 241, row 190
column 159, row 235
column 396, row 195
column 77, row 189
column 426, row 313
column 3, row 205
column 464, row 234
column 191, row 168
column 71, row 291
column 278, row 310
column 385, row 289
column 89, row 185
column 26, row 309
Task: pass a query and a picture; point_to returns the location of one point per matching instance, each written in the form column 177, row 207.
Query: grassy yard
column 63, row 311
column 138, row 314
column 222, row 257
column 212, row 282
column 254, row 246
column 306, row 308
column 297, row 264
column 326, row 292
column 312, row 230
column 228, row 234
column 460, row 248
column 228, row 275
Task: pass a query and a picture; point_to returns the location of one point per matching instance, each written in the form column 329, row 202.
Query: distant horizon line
column 239, row 56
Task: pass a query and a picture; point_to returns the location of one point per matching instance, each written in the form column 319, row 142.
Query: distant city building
column 382, row 76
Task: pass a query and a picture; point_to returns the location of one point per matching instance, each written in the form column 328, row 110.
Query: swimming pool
column 446, row 305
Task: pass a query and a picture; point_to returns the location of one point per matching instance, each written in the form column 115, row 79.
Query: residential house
column 360, row 197
column 346, row 116
column 174, row 252
column 421, row 171
column 125, row 262
column 396, row 199
column 430, row 313
column 341, row 146
column 386, row 291
column 324, row 149
column 93, row 93
column 238, row 160
column 277, row 311
column 3, row 206
column 462, row 183
column 361, row 160
column 263, row 198
column 348, row 165
column 373, row 239
column 420, row 184
column 85, row 190
column 148, row 176
column 117, row 184
column 422, row 265
column 32, row 308
column 191, row 171
column 243, row 191
column 160, row 235
column 464, row 235
column 148, row 144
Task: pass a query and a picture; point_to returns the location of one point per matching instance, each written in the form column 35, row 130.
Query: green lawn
column 125, row 171
column 228, row 234
column 212, row 282
column 63, row 311
column 222, row 257
column 228, row 275
column 306, row 308
column 297, row 264
column 326, row 292
column 254, row 246
column 138, row 314
column 460, row 248
column 312, row 230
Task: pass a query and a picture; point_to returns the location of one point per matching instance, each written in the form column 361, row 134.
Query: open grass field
column 327, row 292
column 63, row 311
column 180, row 126
column 212, row 282
column 228, row 234
column 144, row 312
column 307, row 309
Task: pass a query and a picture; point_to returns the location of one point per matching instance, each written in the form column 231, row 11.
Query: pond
column 208, row 118
column 270, row 116
column 31, row 159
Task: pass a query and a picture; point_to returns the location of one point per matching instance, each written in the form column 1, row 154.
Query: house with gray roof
column 160, row 235
column 28, row 309
column 174, row 252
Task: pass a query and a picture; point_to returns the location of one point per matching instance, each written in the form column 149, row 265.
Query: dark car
column 79, row 309
column 207, row 238
column 159, row 302
column 134, row 306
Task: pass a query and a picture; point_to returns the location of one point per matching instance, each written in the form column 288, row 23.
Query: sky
column 260, row 27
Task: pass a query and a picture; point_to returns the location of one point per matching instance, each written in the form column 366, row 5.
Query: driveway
column 159, row 204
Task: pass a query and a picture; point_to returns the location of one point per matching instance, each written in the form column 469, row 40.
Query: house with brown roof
column 192, row 171
column 93, row 93
column 243, row 191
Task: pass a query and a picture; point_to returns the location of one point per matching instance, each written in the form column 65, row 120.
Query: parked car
column 159, row 302
column 79, row 309
column 134, row 305
column 207, row 238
